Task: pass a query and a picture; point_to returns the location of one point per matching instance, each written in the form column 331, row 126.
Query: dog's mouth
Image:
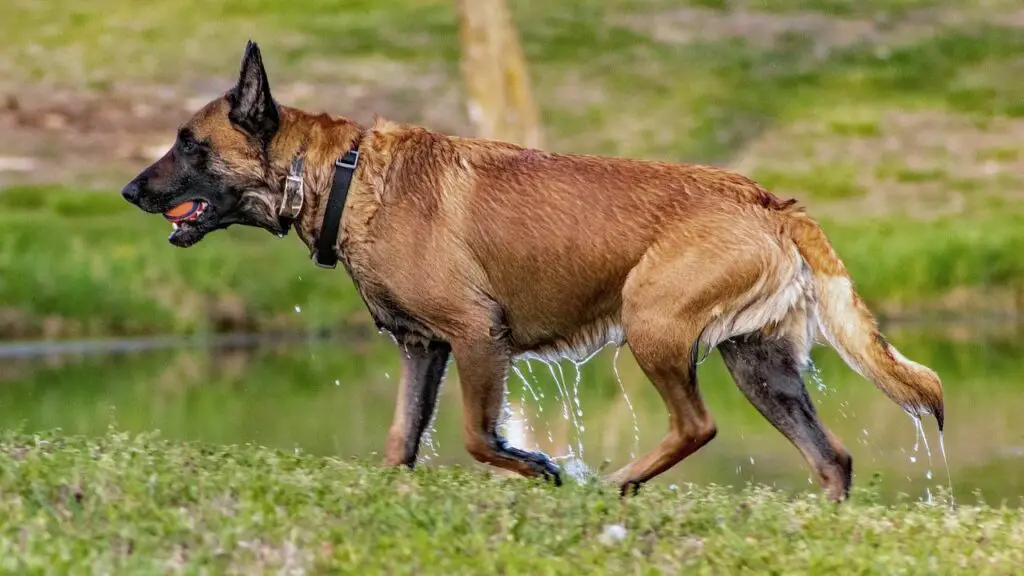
column 190, row 221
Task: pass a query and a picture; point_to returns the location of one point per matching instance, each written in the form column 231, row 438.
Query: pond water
column 336, row 398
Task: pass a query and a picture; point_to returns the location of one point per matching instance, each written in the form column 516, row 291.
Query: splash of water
column 576, row 414
column 576, row 390
column 574, row 466
column 428, row 441
column 815, row 374
column 540, row 391
column 562, row 395
column 632, row 412
column 526, row 384
column 949, row 477
column 567, row 412
column 522, row 401
column 921, row 437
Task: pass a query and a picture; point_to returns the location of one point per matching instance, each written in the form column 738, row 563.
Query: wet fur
column 484, row 252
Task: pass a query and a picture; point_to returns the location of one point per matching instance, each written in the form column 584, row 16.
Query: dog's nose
column 131, row 191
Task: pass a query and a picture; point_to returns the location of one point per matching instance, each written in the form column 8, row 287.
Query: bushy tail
column 851, row 329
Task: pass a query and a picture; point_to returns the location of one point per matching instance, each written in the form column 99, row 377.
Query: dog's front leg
column 483, row 367
column 423, row 368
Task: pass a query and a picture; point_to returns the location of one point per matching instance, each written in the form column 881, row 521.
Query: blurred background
column 897, row 122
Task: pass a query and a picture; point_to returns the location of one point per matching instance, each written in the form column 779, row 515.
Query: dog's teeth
column 174, row 225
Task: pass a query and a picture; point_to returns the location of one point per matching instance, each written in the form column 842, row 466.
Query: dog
column 485, row 252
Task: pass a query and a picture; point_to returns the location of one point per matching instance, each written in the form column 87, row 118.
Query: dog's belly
column 578, row 347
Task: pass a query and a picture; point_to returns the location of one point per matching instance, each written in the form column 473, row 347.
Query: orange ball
column 182, row 211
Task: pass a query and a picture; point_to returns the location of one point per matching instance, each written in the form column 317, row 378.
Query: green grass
column 137, row 504
column 824, row 182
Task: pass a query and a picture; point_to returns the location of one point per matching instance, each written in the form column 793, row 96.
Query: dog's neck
column 319, row 140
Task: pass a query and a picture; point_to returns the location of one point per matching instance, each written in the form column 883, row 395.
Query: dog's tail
column 851, row 329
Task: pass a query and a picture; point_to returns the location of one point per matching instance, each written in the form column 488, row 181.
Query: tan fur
column 853, row 332
column 569, row 245
column 487, row 251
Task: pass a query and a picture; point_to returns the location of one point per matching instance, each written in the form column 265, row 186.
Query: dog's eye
column 188, row 146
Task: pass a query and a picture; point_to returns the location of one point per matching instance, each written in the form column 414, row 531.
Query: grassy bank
column 897, row 122
column 75, row 264
column 139, row 504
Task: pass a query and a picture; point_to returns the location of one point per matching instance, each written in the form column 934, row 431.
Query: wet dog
column 485, row 252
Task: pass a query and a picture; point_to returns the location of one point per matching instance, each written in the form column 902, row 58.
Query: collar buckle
column 348, row 160
column 293, row 196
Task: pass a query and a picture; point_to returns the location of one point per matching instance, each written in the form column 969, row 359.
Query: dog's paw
column 632, row 488
column 546, row 468
column 538, row 462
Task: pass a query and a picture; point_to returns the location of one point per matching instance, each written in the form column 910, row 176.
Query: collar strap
column 293, row 197
column 325, row 255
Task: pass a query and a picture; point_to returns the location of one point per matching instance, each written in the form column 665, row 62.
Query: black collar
column 325, row 254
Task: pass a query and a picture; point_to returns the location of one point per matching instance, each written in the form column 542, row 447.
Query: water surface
column 337, row 398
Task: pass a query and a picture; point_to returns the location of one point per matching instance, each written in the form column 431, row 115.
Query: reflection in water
column 337, row 399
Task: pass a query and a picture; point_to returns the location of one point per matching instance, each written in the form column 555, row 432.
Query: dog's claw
column 631, row 484
column 540, row 462
column 548, row 469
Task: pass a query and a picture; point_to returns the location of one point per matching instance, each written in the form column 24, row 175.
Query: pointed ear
column 252, row 107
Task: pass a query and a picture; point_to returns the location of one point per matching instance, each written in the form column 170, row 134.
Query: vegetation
column 137, row 504
column 896, row 121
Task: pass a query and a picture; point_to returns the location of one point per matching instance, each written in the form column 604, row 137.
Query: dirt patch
column 923, row 164
column 773, row 30
column 97, row 138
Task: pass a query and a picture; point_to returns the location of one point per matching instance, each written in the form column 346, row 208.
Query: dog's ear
column 252, row 107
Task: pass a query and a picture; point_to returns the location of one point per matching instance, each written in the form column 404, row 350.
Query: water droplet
column 297, row 309
column 816, row 376
column 337, row 382
column 636, row 427
column 751, row 460
column 949, row 477
column 387, row 375
column 913, row 459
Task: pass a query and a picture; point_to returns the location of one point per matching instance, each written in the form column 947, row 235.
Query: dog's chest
column 387, row 313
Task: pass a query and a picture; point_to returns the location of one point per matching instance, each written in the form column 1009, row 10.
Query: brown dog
column 488, row 252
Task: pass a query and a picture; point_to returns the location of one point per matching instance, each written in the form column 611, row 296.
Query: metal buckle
column 298, row 188
column 321, row 265
column 351, row 166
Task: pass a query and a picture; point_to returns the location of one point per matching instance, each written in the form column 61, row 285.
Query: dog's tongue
column 182, row 211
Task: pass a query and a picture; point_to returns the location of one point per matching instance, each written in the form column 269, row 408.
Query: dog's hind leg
column 423, row 368
column 768, row 368
column 667, row 301
column 483, row 361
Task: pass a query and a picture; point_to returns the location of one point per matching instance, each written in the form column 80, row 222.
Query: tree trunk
column 499, row 100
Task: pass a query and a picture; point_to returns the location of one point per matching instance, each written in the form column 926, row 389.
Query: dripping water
column 522, row 401
column 632, row 412
column 949, row 477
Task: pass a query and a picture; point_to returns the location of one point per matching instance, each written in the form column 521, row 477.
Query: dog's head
column 217, row 172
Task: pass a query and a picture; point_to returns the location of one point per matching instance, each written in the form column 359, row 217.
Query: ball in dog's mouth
column 183, row 218
column 185, row 212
